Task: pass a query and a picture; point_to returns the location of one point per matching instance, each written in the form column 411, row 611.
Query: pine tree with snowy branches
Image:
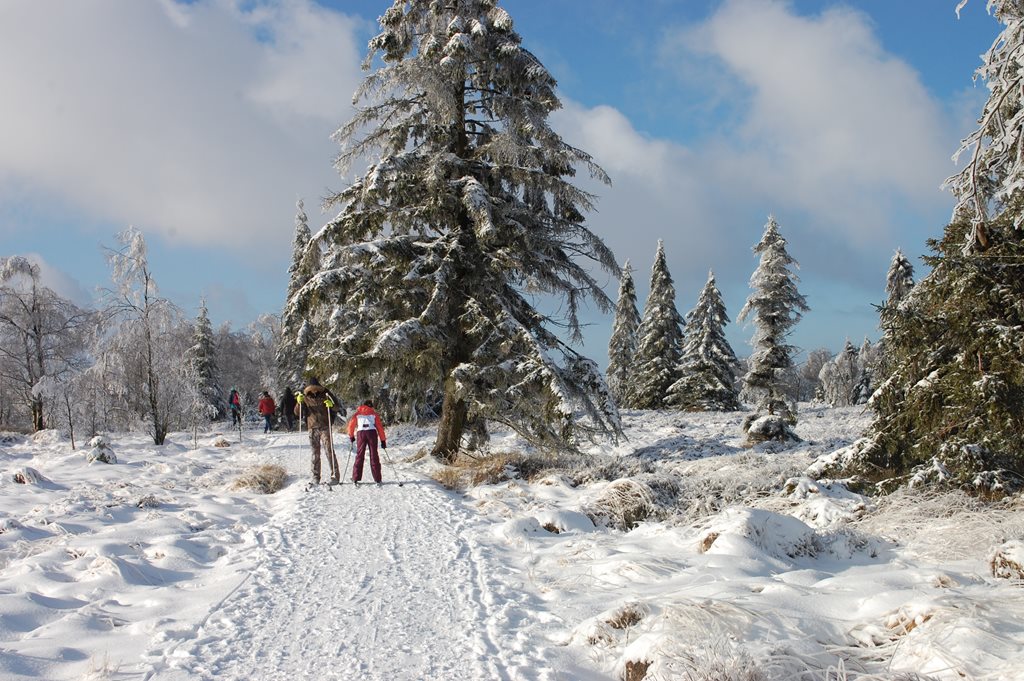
column 708, row 366
column 622, row 345
column 202, row 364
column 296, row 335
column 465, row 209
column 776, row 306
column 659, row 343
column 899, row 280
column 951, row 408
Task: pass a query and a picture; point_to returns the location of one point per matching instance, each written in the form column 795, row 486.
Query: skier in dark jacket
column 315, row 402
column 367, row 426
column 288, row 407
column 235, row 405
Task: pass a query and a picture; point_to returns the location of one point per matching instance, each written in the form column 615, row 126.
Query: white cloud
column 824, row 128
column 202, row 122
column 833, row 124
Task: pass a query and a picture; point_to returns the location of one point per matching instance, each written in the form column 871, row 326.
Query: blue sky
column 202, row 123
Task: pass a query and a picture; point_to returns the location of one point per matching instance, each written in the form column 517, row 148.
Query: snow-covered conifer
column 465, row 210
column 659, row 341
column 708, row 365
column 293, row 344
column 953, row 390
column 202, row 363
column 622, row 345
column 899, row 280
column 776, row 306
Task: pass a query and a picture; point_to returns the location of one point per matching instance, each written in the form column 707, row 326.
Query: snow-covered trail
column 368, row 583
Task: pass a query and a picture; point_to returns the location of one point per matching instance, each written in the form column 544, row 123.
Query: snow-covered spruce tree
column 899, row 280
column 295, row 336
column 201, row 359
column 952, row 405
column 776, row 306
column 708, row 366
column 622, row 344
column 465, row 210
column 659, row 341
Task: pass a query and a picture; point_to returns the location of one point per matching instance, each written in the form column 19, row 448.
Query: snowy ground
column 736, row 567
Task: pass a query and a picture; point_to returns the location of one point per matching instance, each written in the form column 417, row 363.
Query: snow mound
column 28, row 476
column 559, row 521
column 1008, row 560
column 8, row 438
column 751, row 533
column 47, row 437
column 622, row 504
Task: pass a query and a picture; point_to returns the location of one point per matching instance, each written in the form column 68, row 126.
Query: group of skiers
column 318, row 406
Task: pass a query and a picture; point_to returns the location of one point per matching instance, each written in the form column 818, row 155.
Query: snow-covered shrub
column 622, row 505
column 221, row 441
column 609, row 627
column 100, row 451
column 28, row 476
column 267, row 478
column 8, row 438
column 1007, row 561
column 771, row 427
column 47, row 437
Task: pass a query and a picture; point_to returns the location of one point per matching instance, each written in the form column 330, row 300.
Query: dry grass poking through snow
column 470, row 470
column 944, row 525
column 265, row 479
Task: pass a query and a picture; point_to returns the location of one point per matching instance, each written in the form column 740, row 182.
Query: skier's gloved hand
column 329, row 403
column 383, row 444
column 300, row 398
column 351, row 439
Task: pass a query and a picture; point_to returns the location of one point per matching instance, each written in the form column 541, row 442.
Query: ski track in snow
column 344, row 588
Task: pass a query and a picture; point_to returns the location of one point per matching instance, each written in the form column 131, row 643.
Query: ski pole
column 394, row 468
column 335, row 473
column 351, row 450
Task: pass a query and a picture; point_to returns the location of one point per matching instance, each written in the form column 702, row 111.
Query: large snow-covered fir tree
column 295, row 332
column 708, row 366
column 622, row 345
column 202, row 365
column 776, row 306
column 465, row 212
column 659, row 341
column 952, row 406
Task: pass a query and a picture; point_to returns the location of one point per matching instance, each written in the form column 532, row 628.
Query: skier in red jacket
column 366, row 426
column 267, row 408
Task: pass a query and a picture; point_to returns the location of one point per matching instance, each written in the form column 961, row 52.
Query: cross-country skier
column 314, row 401
column 235, row 404
column 288, row 407
column 266, row 407
column 366, row 426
